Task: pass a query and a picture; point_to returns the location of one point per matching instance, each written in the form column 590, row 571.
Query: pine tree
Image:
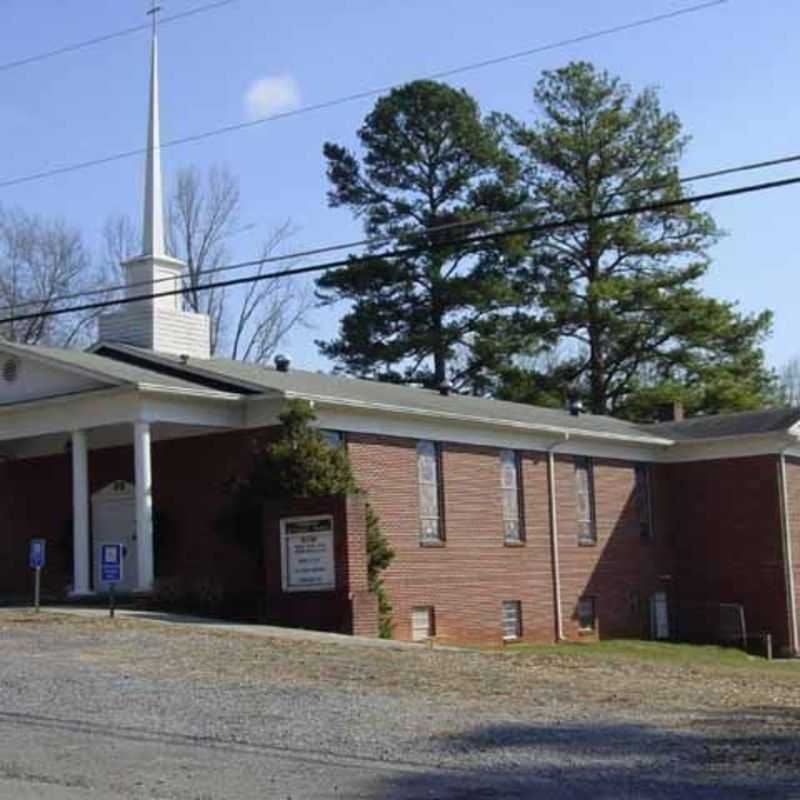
column 429, row 160
column 617, row 301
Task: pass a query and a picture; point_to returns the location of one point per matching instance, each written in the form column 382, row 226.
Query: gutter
column 788, row 561
column 551, row 485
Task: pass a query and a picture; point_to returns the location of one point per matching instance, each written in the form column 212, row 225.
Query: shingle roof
column 771, row 420
column 353, row 391
column 117, row 372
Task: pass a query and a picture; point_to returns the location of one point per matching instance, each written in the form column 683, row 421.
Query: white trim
column 470, row 418
column 81, row 540
column 742, row 446
column 788, row 561
column 370, row 421
column 188, row 391
column 29, row 351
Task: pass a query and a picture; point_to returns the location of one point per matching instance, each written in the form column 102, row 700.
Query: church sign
column 307, row 556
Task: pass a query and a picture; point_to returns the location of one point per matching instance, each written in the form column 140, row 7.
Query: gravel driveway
column 99, row 709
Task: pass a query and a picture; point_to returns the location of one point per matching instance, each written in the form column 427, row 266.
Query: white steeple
column 153, row 225
column 155, row 323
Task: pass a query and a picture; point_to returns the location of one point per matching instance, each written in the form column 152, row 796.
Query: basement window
column 512, row 620
column 422, row 626
column 587, row 614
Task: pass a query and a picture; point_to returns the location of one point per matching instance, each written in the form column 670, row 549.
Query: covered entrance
column 114, row 522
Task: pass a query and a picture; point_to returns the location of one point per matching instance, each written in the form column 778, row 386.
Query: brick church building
column 509, row 522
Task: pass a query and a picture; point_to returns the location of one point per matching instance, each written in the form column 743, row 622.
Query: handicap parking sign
column 111, row 563
column 37, row 553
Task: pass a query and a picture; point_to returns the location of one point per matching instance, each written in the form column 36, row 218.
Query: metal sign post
column 36, row 559
column 111, row 556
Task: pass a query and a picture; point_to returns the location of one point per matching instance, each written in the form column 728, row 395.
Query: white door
column 114, row 522
column 659, row 615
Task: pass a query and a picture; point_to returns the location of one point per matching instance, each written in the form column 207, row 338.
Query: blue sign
column 37, row 553
column 111, row 563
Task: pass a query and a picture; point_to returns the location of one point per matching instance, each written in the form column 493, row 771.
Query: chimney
column 669, row 412
column 282, row 363
column 445, row 387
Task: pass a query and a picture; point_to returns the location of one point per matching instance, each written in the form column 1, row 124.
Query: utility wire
column 479, row 220
column 448, row 73
column 107, row 37
column 406, row 252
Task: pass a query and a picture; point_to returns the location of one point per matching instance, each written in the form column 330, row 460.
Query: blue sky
column 729, row 72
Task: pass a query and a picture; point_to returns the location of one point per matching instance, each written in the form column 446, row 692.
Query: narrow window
column 510, row 491
column 584, row 495
column 643, row 502
column 333, row 439
column 422, row 623
column 429, row 479
column 587, row 614
column 512, row 619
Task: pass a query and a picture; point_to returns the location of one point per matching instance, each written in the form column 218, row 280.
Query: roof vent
column 10, row 370
column 183, row 358
column 282, row 363
column 575, row 404
column 445, row 387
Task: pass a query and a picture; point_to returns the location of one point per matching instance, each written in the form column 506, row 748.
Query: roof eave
column 472, row 419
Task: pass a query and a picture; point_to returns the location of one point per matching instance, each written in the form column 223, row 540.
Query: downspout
column 551, row 483
column 788, row 562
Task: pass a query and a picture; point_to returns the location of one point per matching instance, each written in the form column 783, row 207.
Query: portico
column 80, row 404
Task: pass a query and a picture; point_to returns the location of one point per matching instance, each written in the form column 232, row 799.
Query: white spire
column 153, row 227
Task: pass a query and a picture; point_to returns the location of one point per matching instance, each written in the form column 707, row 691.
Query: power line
column 107, row 37
column 406, row 252
column 367, row 93
column 483, row 220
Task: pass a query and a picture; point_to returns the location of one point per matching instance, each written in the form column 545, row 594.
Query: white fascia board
column 742, row 446
column 65, row 366
column 68, row 413
column 116, row 406
column 190, row 410
column 188, row 391
column 376, row 419
column 530, row 427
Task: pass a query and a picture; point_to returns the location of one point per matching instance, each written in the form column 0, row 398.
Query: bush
column 379, row 556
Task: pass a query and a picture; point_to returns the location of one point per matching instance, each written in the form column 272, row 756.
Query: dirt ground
column 94, row 707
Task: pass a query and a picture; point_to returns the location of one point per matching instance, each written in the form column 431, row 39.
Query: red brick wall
column 727, row 533
column 189, row 477
column 467, row 578
column 350, row 608
column 622, row 570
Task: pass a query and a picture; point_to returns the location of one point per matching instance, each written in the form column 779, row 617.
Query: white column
column 80, row 514
column 144, row 506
